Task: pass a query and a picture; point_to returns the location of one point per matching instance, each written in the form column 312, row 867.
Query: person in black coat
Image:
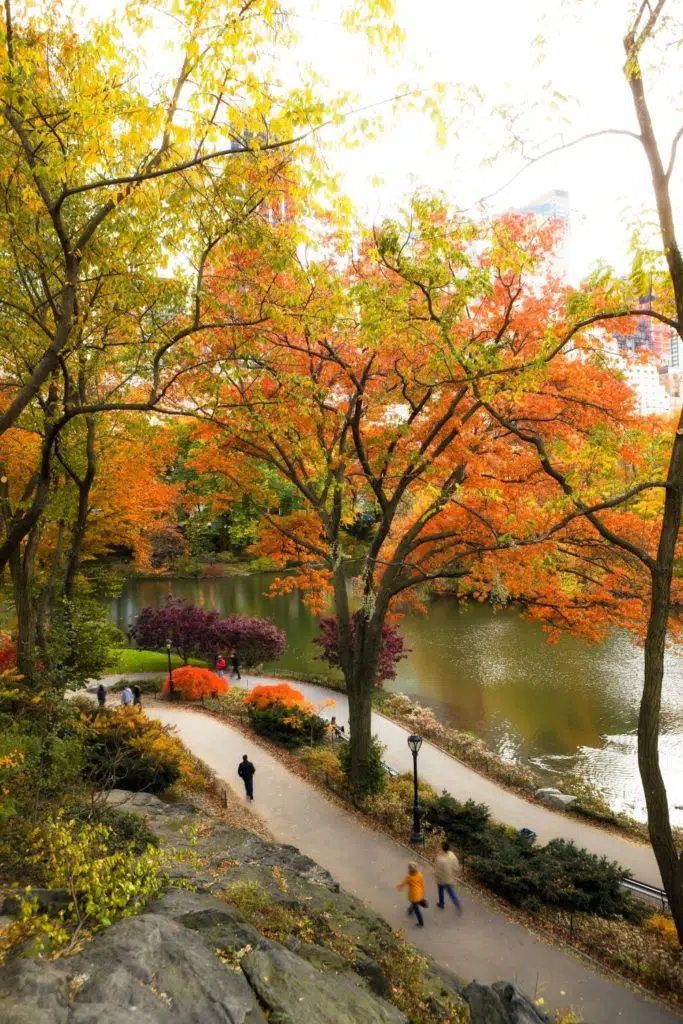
column 235, row 664
column 246, row 773
column 101, row 695
column 137, row 697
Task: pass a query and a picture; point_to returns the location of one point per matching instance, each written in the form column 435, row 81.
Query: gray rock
column 501, row 1003
column 319, row 957
column 221, row 926
column 373, row 974
column 554, row 798
column 296, row 991
column 146, row 968
column 50, row 901
column 518, row 1008
column 34, row 992
column 485, row 1005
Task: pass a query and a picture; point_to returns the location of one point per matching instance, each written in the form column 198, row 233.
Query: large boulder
column 554, row 798
column 294, row 990
column 147, row 968
column 501, row 1003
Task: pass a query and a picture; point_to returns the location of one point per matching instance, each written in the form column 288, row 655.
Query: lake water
column 562, row 707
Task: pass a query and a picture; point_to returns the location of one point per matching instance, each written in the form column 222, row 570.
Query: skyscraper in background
column 554, row 205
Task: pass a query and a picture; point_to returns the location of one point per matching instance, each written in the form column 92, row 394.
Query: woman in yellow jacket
column 414, row 882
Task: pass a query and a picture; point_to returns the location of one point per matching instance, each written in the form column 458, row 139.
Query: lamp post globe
column 415, row 742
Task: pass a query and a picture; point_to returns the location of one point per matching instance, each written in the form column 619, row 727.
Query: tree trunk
column 360, row 683
column 22, row 580
column 659, row 824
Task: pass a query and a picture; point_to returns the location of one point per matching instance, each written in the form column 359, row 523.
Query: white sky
column 488, row 44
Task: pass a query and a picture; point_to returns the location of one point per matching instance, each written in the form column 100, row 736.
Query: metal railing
column 650, row 892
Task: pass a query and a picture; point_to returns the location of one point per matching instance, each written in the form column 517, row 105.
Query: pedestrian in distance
column 414, row 883
column 235, row 664
column 220, row 666
column 137, row 697
column 446, row 870
column 101, row 695
column 127, row 697
column 246, row 772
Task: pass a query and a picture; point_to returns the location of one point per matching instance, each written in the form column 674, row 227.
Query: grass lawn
column 129, row 659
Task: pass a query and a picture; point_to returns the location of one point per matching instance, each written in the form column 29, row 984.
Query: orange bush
column 265, row 696
column 663, row 926
column 191, row 683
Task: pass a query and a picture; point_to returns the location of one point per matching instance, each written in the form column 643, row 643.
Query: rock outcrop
column 554, row 798
column 199, row 955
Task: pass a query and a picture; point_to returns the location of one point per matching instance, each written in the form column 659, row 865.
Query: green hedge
column 560, row 874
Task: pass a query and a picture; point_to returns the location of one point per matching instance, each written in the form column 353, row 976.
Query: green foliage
column 125, row 749
column 36, row 771
column 80, row 640
column 126, row 831
column 559, row 874
column 103, row 885
column 406, row 968
column 463, row 824
column 373, row 773
column 291, row 727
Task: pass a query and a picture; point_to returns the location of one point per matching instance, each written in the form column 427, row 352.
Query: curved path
column 484, row 943
column 442, row 771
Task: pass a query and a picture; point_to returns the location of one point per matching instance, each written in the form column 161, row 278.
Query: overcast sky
column 489, row 44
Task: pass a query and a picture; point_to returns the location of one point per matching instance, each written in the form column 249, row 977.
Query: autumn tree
column 636, row 556
column 372, row 390
column 391, row 650
column 116, row 187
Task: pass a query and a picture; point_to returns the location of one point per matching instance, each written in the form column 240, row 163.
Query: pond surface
column 562, row 707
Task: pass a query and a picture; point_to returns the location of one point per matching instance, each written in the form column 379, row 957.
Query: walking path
column 442, row 771
column 484, row 943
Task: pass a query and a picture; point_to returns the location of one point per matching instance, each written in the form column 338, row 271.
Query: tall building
column 653, row 396
column 553, row 205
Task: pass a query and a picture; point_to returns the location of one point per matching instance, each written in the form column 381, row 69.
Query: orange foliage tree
column 384, row 389
column 191, row 683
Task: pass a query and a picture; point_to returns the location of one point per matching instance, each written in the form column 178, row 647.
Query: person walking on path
column 235, row 664
column 101, row 695
column 127, row 697
column 446, row 870
column 220, row 666
column 246, row 773
column 414, row 883
column 137, row 697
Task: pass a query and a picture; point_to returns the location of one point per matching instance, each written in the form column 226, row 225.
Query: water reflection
column 565, row 705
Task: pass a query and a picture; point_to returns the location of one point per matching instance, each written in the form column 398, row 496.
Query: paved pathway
column 442, row 771
column 483, row 944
